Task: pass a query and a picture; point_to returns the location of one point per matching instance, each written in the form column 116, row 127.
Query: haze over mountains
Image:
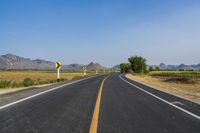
column 10, row 61
column 163, row 66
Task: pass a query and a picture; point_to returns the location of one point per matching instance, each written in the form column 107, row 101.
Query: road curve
column 116, row 105
column 126, row 109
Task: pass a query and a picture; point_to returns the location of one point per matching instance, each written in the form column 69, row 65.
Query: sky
column 103, row 31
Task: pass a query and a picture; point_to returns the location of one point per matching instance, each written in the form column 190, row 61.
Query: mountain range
column 10, row 61
column 163, row 66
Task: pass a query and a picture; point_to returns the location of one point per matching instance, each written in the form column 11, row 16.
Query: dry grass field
column 183, row 86
column 42, row 75
column 15, row 79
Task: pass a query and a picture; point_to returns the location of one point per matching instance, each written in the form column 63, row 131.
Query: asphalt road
column 117, row 105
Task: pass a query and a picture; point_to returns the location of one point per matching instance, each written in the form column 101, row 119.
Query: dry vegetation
column 184, row 84
column 43, row 75
column 14, row 79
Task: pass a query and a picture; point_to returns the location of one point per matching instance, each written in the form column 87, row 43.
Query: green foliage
column 175, row 73
column 154, row 69
column 188, row 77
column 28, row 82
column 124, row 67
column 5, row 84
column 151, row 69
column 138, row 64
column 157, row 69
column 185, row 80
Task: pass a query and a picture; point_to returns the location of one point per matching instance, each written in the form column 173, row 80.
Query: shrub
column 124, row 67
column 28, row 82
column 5, row 84
column 180, row 80
column 62, row 79
column 16, row 84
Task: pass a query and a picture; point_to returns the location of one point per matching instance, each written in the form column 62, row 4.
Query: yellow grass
column 188, row 91
column 34, row 75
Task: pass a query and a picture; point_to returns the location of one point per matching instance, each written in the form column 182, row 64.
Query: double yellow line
column 95, row 118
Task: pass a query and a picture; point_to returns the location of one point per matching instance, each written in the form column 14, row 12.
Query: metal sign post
column 96, row 71
column 84, row 70
column 58, row 66
column 58, row 78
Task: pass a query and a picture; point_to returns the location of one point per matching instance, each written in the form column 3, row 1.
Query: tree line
column 137, row 64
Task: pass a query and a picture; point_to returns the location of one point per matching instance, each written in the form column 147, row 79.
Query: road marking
column 27, row 98
column 178, row 103
column 171, row 104
column 95, row 118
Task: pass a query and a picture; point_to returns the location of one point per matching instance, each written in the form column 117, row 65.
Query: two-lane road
column 126, row 109
column 107, row 105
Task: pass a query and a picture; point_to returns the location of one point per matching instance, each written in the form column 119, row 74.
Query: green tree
column 124, row 67
column 138, row 64
column 151, row 68
column 157, row 69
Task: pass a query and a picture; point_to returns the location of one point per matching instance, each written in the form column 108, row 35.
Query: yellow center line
column 94, row 123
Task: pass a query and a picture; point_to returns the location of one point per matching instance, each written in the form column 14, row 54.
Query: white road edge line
column 35, row 95
column 177, row 107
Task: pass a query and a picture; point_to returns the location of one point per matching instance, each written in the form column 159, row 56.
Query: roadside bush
column 62, row 79
column 17, row 84
column 5, row 84
column 180, row 80
column 50, row 81
column 38, row 81
column 28, row 82
column 124, row 67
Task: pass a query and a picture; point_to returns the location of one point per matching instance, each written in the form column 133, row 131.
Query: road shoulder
column 167, row 90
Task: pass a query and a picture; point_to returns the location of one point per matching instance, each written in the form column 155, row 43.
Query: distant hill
column 73, row 67
column 93, row 66
column 163, row 66
column 116, row 67
column 10, row 61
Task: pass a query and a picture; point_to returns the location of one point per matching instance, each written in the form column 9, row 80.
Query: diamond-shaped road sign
column 58, row 65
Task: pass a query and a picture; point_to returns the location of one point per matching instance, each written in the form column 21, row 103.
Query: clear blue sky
column 104, row 31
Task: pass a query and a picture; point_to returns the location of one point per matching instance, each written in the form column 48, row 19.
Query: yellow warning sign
column 58, row 65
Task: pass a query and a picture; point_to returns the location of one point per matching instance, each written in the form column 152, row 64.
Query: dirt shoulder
column 11, row 90
column 186, row 91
